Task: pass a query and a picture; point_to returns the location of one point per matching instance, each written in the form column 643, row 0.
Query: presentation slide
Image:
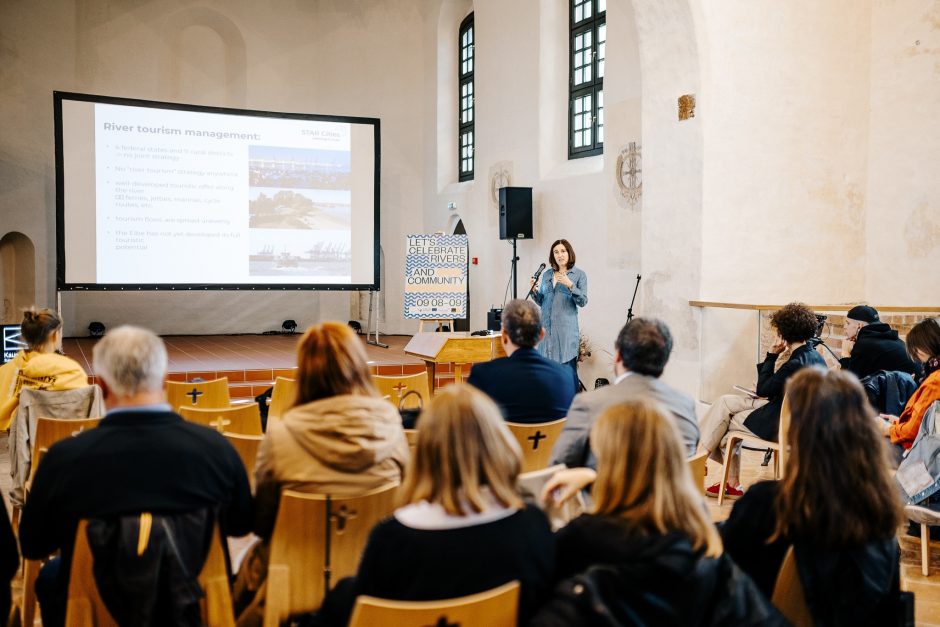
column 164, row 196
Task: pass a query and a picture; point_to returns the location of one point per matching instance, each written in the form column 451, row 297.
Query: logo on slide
column 12, row 342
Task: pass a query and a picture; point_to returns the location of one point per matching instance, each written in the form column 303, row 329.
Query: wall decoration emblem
column 686, row 107
column 500, row 176
column 630, row 173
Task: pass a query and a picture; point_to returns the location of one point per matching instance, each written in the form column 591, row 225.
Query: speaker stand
column 512, row 269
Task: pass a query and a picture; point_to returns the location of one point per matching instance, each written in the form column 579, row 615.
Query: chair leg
column 30, row 572
column 726, row 469
column 925, row 550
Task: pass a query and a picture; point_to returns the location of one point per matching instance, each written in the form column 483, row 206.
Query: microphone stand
column 633, row 300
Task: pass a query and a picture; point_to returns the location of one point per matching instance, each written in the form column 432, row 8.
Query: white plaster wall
column 903, row 186
column 332, row 57
column 784, row 114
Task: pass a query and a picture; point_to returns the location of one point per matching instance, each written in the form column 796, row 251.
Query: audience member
column 141, row 458
column 39, row 366
column 643, row 348
column 836, row 505
column 795, row 325
column 340, row 438
column 923, row 345
column 527, row 386
column 463, row 528
column 871, row 345
column 648, row 552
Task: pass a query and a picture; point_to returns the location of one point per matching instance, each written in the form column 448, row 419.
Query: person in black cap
column 871, row 345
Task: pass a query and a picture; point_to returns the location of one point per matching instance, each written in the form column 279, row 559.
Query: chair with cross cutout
column 282, row 397
column 396, row 387
column 48, row 432
column 201, row 394
column 317, row 540
column 536, row 442
column 495, row 608
column 247, row 448
column 86, row 608
column 241, row 419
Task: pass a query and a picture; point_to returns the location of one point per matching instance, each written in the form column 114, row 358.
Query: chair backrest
column 784, row 427
column 247, row 448
column 536, row 442
column 498, row 607
column 698, row 467
column 788, row 594
column 86, row 607
column 51, row 430
column 198, row 394
column 396, row 387
column 243, row 419
column 412, row 436
column 282, row 397
column 317, row 540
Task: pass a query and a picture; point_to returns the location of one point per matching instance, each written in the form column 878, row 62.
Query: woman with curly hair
column 795, row 325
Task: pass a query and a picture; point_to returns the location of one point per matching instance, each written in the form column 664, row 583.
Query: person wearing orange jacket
column 923, row 345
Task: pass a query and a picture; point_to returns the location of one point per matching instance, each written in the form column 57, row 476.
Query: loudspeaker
column 494, row 319
column 515, row 213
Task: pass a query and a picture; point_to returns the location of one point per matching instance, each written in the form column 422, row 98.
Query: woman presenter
column 561, row 291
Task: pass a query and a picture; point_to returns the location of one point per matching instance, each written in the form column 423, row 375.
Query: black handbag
column 409, row 417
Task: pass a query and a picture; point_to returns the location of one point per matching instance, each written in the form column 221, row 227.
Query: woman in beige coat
column 340, row 437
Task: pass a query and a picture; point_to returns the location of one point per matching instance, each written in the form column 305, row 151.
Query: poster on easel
column 436, row 276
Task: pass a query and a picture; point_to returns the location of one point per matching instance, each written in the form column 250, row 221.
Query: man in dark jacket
column 871, row 345
column 527, row 386
column 141, row 458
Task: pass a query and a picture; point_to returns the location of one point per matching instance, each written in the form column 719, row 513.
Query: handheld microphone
column 538, row 273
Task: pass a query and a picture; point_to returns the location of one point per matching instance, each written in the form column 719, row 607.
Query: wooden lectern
column 458, row 348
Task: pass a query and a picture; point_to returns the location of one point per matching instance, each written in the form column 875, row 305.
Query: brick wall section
column 833, row 333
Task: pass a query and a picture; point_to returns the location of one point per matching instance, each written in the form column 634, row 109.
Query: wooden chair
column 395, row 387
column 28, row 603
column 283, row 396
column 412, row 436
column 317, row 540
column 202, row 394
column 86, row 608
column 51, row 430
column 926, row 518
column 788, row 594
column 242, row 419
column 247, row 448
column 779, row 451
column 698, row 468
column 495, row 608
column 536, row 442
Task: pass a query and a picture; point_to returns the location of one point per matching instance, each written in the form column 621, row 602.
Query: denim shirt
column 560, row 314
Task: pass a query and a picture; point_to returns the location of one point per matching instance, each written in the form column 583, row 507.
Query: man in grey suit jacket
column 643, row 348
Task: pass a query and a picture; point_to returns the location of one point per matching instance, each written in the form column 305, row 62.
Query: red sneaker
column 731, row 492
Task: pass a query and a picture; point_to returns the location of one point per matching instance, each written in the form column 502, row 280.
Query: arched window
column 586, row 78
column 465, row 139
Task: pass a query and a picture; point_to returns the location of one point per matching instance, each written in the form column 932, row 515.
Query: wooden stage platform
column 251, row 362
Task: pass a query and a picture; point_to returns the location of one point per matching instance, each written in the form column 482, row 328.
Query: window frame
column 593, row 87
column 468, row 128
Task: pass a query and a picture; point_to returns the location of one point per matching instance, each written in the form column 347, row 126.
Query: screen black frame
column 64, row 286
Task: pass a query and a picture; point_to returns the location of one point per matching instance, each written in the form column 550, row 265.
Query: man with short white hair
column 142, row 457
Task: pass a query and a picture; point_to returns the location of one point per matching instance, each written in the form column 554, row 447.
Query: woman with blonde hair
column 647, row 553
column 340, row 437
column 836, row 505
column 39, row 366
column 462, row 528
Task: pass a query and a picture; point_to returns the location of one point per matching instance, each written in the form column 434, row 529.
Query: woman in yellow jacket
column 38, row 366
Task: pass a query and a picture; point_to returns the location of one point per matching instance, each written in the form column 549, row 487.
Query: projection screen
column 154, row 195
